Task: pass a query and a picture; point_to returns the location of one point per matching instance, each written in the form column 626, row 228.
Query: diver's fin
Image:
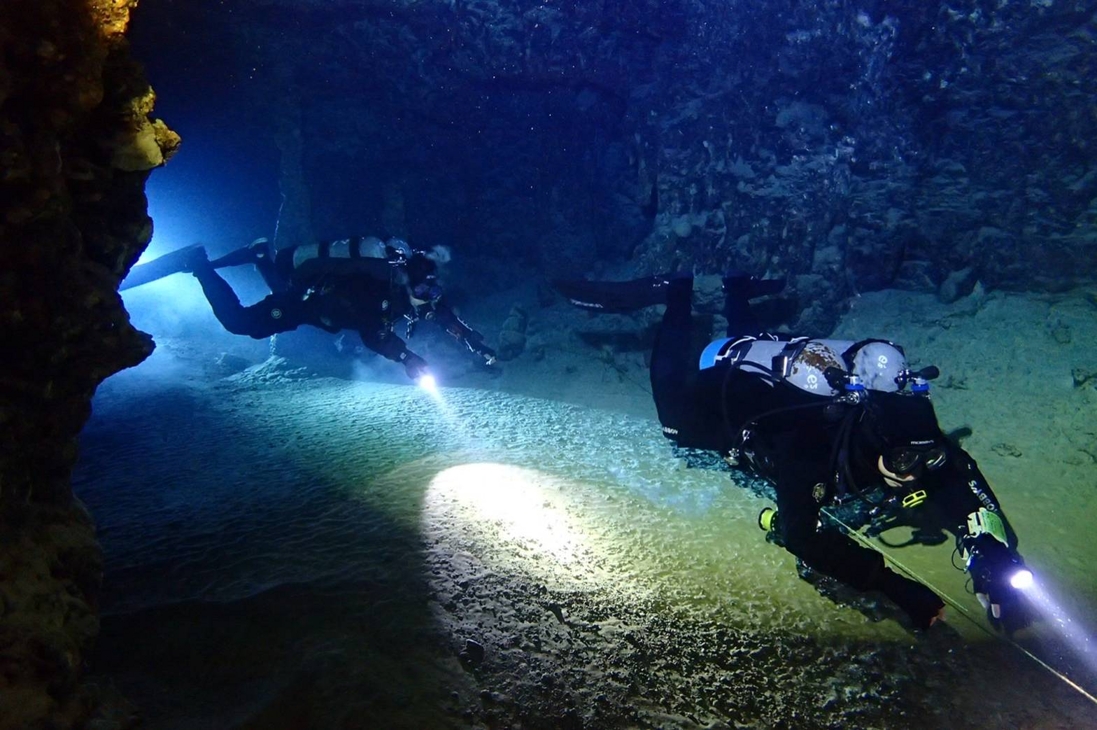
column 748, row 287
column 253, row 253
column 158, row 268
column 616, row 296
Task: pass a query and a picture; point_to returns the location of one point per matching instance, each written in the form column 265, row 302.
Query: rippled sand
column 327, row 553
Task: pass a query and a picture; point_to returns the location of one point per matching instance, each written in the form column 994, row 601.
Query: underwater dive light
column 428, row 383
column 1021, row 579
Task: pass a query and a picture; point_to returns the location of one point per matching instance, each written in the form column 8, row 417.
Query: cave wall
column 848, row 146
column 492, row 128
column 876, row 145
column 77, row 143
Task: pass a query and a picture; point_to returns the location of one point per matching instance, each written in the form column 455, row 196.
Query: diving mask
column 427, row 290
column 910, row 460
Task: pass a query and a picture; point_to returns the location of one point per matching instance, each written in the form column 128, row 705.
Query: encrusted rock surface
column 76, row 144
column 850, row 147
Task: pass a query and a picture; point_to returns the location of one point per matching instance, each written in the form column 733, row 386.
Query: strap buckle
column 914, row 499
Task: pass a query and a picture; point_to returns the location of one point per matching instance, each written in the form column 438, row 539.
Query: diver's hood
column 421, row 268
column 898, row 420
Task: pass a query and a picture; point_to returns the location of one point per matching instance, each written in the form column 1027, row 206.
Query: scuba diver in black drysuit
column 361, row 284
column 826, row 422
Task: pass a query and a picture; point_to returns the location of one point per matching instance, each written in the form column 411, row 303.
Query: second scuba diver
column 826, row 422
column 362, row 284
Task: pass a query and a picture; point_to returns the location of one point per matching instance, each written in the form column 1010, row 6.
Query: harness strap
column 851, row 354
column 782, row 361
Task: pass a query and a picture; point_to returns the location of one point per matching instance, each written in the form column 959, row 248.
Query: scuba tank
column 361, row 255
column 804, row 362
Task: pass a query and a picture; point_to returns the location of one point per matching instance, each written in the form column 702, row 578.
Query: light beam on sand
column 521, row 503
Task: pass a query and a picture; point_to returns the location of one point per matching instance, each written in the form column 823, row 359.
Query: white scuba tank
column 879, row 365
column 367, row 254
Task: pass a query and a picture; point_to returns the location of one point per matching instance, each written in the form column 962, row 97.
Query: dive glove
column 415, row 366
column 485, row 352
column 474, row 341
column 995, row 574
column 920, row 603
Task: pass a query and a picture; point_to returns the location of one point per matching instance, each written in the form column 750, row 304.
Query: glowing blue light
column 1021, row 580
column 428, row 383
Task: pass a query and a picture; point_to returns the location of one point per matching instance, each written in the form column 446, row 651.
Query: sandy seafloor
column 286, row 551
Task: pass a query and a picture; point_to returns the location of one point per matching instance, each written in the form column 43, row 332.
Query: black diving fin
column 158, row 268
column 615, row 296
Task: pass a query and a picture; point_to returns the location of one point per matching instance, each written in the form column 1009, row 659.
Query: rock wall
column 77, row 144
column 855, row 147
column 848, row 146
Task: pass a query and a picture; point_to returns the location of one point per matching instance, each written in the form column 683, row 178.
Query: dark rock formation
column 850, row 147
column 512, row 336
column 76, row 143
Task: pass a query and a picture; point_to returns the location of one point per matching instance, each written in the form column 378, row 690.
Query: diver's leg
column 672, row 357
column 741, row 318
column 739, row 289
column 249, row 254
column 223, row 300
column 259, row 320
column 261, row 253
column 277, row 271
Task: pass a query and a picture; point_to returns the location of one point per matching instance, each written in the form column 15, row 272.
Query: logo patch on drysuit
column 819, row 492
column 276, row 313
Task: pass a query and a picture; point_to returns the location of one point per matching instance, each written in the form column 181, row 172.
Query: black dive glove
column 415, row 366
column 999, row 576
column 485, row 352
column 920, row 603
column 474, row 341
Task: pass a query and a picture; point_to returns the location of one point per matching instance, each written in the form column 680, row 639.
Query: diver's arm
column 827, row 551
column 276, row 313
column 984, row 538
column 959, row 490
column 458, row 329
column 385, row 343
column 835, row 554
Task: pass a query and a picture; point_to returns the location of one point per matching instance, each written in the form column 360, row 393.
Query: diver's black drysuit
column 367, row 296
column 792, row 437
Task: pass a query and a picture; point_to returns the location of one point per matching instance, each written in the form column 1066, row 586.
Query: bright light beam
column 430, row 384
column 1076, row 638
column 1021, row 580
